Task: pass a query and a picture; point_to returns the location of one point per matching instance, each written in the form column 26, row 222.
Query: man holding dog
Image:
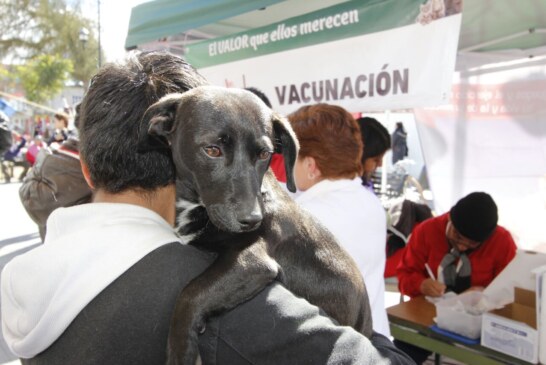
column 102, row 288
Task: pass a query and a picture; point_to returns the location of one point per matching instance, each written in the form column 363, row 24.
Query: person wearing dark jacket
column 9, row 157
column 5, row 134
column 399, row 143
column 102, row 287
column 60, row 133
column 277, row 161
column 55, row 180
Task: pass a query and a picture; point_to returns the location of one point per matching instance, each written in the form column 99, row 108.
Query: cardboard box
column 512, row 329
column 541, row 312
column 515, row 328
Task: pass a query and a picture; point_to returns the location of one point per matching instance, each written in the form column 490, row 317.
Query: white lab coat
column 357, row 219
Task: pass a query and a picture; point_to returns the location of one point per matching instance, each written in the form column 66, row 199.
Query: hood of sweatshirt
column 87, row 247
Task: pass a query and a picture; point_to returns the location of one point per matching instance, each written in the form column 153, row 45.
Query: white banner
column 405, row 67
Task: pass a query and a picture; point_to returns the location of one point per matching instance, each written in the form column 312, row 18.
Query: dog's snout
column 251, row 221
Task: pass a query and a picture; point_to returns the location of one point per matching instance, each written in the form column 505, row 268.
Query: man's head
column 260, row 94
column 111, row 121
column 61, row 120
column 472, row 220
column 377, row 141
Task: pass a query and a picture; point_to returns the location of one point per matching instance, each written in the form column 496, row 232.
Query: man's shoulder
column 502, row 234
column 132, row 314
column 185, row 259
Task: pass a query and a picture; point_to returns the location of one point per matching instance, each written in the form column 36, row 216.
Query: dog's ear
column 161, row 115
column 159, row 123
column 287, row 144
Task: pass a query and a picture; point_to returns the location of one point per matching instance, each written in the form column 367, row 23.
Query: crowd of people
column 110, row 271
column 22, row 149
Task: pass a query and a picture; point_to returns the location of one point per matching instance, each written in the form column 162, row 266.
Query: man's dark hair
column 260, row 94
column 375, row 136
column 111, row 125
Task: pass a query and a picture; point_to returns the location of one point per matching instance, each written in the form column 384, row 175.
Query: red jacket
column 277, row 165
column 428, row 244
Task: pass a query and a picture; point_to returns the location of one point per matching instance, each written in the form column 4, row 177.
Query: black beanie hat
column 475, row 216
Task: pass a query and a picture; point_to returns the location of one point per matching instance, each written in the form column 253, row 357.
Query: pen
column 430, row 273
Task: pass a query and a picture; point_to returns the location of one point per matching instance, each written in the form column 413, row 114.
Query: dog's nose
column 251, row 221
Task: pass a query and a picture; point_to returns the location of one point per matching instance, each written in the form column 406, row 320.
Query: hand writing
column 475, row 288
column 432, row 288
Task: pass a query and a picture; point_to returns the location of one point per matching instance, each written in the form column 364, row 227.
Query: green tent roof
column 161, row 18
column 488, row 26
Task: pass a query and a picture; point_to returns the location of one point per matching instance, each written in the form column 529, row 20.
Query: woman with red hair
column 327, row 173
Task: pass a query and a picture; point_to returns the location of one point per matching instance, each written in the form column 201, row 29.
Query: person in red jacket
column 277, row 161
column 465, row 249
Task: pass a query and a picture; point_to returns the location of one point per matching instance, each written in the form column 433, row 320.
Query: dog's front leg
column 233, row 278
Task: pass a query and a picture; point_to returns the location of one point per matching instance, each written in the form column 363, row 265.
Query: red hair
column 330, row 135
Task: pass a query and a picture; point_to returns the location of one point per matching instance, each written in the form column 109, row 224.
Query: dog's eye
column 213, row 151
column 264, row 155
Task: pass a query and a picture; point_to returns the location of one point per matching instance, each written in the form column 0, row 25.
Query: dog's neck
column 195, row 228
column 187, row 192
column 193, row 223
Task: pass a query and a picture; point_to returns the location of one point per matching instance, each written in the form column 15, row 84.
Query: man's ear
column 159, row 121
column 86, row 174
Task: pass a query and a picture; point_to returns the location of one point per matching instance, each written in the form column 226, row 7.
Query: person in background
column 121, row 265
column 399, row 143
column 464, row 248
column 56, row 180
column 259, row 93
column 403, row 216
column 327, row 173
column 5, row 144
column 277, row 160
column 60, row 133
column 33, row 149
column 14, row 156
column 5, row 134
column 377, row 142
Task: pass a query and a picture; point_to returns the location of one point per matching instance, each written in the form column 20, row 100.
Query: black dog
column 221, row 142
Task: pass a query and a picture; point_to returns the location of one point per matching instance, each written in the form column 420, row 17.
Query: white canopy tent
column 468, row 143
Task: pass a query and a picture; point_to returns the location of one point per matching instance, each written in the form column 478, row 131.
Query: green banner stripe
column 341, row 21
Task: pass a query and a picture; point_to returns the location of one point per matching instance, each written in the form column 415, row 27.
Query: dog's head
column 222, row 141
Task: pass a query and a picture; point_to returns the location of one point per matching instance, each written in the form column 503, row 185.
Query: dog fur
column 230, row 203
